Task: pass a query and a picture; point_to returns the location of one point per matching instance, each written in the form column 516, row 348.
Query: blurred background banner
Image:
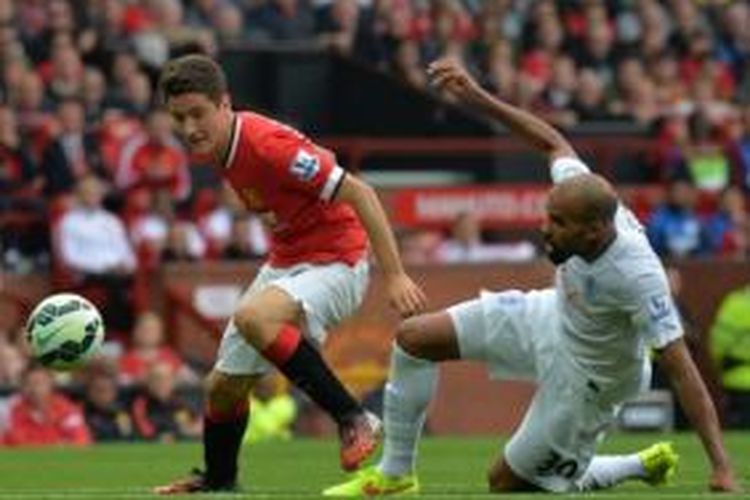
column 498, row 206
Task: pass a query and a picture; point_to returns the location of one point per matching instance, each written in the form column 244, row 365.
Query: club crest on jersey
column 658, row 307
column 305, row 166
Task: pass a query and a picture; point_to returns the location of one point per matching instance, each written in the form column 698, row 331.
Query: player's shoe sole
column 359, row 440
column 194, row 483
column 659, row 462
column 370, row 482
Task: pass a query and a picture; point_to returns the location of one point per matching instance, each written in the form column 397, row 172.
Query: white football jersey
column 612, row 310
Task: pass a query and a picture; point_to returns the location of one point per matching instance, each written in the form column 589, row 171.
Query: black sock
column 221, row 445
column 307, row 369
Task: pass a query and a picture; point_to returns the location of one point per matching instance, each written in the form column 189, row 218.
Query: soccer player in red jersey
column 320, row 219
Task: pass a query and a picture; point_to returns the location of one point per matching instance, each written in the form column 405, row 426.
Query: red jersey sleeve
column 72, row 424
column 18, row 429
column 300, row 164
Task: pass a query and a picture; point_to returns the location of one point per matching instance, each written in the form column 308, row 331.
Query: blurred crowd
column 86, row 155
column 678, row 69
column 581, row 60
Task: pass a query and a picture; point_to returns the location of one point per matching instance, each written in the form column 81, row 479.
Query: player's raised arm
column 404, row 294
column 695, row 400
column 449, row 75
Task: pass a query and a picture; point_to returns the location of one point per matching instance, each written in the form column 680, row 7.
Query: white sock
column 411, row 384
column 606, row 471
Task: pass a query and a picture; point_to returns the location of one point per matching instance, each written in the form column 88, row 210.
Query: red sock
column 239, row 412
column 283, row 346
column 300, row 361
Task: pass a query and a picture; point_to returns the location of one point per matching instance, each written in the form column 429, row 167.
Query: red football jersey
column 61, row 423
column 291, row 182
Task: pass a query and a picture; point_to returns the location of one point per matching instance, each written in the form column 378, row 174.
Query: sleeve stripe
column 338, row 186
column 332, row 183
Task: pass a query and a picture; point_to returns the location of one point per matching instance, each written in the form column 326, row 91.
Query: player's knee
column 502, row 479
column 224, row 390
column 496, row 484
column 409, row 336
column 495, row 480
column 429, row 337
column 250, row 322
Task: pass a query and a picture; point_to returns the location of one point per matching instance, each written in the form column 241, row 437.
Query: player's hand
column 405, row 295
column 447, row 74
column 722, row 481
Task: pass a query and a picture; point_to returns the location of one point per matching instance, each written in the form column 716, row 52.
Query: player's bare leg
column 270, row 321
column 420, row 342
column 224, row 423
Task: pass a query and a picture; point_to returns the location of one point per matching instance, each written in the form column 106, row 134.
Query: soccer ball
column 64, row 331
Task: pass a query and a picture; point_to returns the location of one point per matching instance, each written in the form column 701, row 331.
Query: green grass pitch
column 449, row 468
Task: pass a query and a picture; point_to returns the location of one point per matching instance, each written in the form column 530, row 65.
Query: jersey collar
column 234, row 139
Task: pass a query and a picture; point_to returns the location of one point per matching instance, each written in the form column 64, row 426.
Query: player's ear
column 598, row 228
column 225, row 101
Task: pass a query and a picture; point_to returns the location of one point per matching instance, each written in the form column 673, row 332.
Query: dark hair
column 192, row 73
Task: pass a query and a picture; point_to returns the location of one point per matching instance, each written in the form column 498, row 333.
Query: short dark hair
column 192, row 73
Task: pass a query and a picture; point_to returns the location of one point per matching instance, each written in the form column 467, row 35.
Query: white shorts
column 516, row 334
column 327, row 293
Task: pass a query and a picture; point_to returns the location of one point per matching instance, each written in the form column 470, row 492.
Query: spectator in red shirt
column 155, row 160
column 113, row 131
column 148, row 348
column 40, row 416
column 698, row 63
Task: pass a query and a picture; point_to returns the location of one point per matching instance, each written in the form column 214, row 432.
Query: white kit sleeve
column 566, row 167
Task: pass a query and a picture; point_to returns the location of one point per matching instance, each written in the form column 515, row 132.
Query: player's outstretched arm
column 449, row 75
column 404, row 294
column 695, row 400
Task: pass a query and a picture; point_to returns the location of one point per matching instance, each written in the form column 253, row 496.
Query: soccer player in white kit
column 586, row 342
